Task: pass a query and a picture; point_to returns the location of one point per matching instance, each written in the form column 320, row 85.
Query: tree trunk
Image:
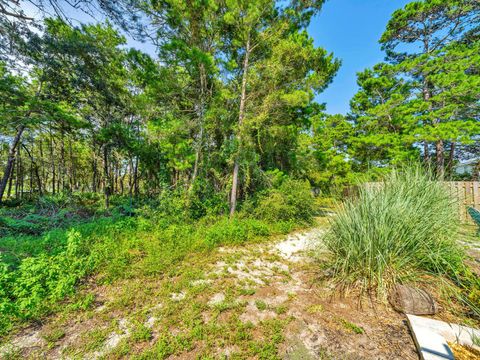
column 135, row 178
column 201, row 113
column 71, row 170
column 426, row 97
column 10, row 160
column 40, row 148
column 35, row 170
column 122, row 180
column 440, row 157
column 94, row 174
column 241, row 115
column 451, row 159
column 197, row 157
column 19, row 181
column 61, row 177
column 10, row 182
column 94, row 169
column 52, row 159
column 426, row 152
column 31, row 178
column 106, row 184
column 130, row 177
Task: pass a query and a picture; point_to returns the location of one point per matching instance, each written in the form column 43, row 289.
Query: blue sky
column 351, row 30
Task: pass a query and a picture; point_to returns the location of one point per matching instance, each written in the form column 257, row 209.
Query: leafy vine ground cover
column 231, row 289
column 238, row 301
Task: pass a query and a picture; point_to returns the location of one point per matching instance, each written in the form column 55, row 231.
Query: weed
column 288, row 201
column 247, row 291
column 12, row 354
column 314, row 309
column 351, row 326
column 261, row 305
column 141, row 333
column 94, row 339
column 475, row 340
column 291, row 296
column 53, row 335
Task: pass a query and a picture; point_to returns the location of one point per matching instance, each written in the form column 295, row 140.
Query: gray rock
column 410, row 300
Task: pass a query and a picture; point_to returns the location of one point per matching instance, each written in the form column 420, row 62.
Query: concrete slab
column 450, row 332
column 430, row 345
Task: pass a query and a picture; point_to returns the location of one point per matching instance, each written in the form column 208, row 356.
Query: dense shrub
column 50, row 277
column 205, row 200
column 402, row 228
column 38, row 282
column 291, row 200
column 39, row 215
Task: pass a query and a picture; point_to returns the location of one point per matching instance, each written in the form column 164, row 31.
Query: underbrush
column 289, row 200
column 39, row 272
column 38, row 215
column 401, row 230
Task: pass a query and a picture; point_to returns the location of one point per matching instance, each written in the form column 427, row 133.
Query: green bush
column 6, row 305
column 50, row 278
column 41, row 269
column 38, row 272
column 396, row 231
column 292, row 200
column 39, row 282
column 235, row 231
column 42, row 214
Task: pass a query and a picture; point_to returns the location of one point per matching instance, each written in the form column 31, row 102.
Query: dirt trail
column 323, row 326
column 253, row 285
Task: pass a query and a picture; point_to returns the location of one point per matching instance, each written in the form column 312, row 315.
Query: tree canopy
column 228, row 99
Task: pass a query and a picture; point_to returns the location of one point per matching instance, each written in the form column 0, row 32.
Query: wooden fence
column 467, row 194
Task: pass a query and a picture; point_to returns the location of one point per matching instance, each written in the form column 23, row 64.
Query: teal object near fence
column 475, row 214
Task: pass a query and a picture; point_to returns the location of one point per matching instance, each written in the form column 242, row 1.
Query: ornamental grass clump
column 395, row 231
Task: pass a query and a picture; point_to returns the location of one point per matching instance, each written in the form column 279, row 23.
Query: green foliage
column 36, row 282
column 54, row 335
column 38, row 272
column 50, row 278
column 424, row 99
column 141, row 333
column 61, row 210
column 235, row 231
column 291, row 200
column 351, row 326
column 396, row 231
column 203, row 200
column 261, row 305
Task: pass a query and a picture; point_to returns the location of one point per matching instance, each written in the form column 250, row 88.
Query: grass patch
column 247, row 291
column 94, row 339
column 395, row 232
column 315, row 309
column 141, row 333
column 261, row 305
column 51, row 336
column 351, row 327
column 42, row 271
